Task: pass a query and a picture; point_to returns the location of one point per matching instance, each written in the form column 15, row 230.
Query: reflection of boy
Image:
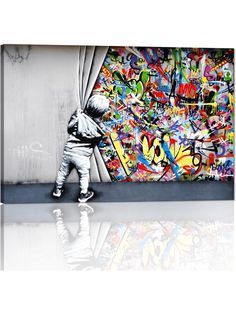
column 77, row 250
column 85, row 134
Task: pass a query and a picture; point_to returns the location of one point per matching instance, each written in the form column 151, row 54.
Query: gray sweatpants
column 72, row 160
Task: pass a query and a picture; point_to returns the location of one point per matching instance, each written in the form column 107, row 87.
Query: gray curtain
column 90, row 60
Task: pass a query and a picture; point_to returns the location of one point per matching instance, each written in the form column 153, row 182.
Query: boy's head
column 97, row 106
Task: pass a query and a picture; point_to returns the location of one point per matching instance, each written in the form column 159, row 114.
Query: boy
column 85, row 134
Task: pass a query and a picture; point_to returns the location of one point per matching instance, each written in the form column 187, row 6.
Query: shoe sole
column 56, row 195
column 84, row 200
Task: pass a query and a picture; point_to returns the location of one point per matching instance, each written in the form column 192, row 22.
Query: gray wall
column 39, row 97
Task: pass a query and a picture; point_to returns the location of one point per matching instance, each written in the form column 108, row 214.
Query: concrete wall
column 39, row 97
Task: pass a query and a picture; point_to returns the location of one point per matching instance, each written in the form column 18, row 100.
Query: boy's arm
column 72, row 123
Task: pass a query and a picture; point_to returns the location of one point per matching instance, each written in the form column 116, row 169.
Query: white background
column 147, row 23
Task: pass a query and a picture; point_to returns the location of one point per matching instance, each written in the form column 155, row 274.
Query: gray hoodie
column 84, row 133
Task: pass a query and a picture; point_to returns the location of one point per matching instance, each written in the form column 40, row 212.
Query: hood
column 88, row 128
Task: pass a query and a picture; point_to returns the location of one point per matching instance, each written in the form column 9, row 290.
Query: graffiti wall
column 171, row 114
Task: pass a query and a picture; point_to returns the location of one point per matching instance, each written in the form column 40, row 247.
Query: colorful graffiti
column 171, row 114
column 168, row 245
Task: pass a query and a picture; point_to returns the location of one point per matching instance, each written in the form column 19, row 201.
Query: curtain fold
column 90, row 60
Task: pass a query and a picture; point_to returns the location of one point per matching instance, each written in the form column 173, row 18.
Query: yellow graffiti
column 219, row 65
column 154, row 153
column 231, row 101
column 150, row 152
column 106, row 71
column 230, row 136
column 184, row 159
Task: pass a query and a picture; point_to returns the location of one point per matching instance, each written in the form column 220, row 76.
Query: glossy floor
column 118, row 236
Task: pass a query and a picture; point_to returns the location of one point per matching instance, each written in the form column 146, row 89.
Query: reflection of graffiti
column 171, row 114
column 168, row 245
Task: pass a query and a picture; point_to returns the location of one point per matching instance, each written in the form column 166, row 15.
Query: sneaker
column 86, row 208
column 85, row 196
column 57, row 212
column 57, row 192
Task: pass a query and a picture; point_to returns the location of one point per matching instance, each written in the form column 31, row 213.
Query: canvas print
column 114, row 115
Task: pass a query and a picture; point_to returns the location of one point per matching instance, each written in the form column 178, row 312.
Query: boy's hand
column 78, row 111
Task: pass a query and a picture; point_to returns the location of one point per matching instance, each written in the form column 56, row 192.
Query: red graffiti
column 187, row 90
